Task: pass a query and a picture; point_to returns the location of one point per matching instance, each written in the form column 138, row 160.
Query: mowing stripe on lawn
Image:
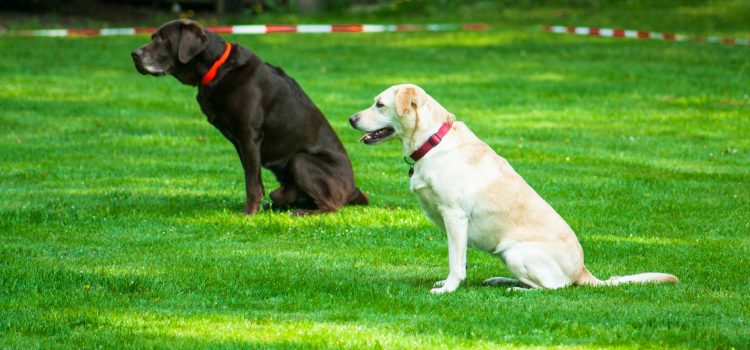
column 639, row 34
column 269, row 29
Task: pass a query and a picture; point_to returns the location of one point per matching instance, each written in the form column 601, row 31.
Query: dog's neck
column 427, row 121
column 192, row 72
column 412, row 141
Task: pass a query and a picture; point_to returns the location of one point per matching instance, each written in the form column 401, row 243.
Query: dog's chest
column 429, row 201
column 435, row 195
column 209, row 107
column 217, row 114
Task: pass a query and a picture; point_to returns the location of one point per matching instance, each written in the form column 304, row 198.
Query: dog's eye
column 378, row 104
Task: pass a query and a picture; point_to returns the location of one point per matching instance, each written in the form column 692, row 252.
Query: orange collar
column 211, row 74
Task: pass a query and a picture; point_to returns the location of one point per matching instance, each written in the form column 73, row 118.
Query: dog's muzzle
column 353, row 120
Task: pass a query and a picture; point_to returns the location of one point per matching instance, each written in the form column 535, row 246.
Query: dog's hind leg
column 535, row 267
column 503, row 282
column 323, row 187
column 358, row 198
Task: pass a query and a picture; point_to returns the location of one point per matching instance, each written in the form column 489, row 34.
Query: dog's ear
column 406, row 100
column 449, row 117
column 193, row 40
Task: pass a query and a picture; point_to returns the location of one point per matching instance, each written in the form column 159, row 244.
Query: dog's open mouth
column 377, row 136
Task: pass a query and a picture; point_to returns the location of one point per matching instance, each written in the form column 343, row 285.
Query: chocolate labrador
column 263, row 112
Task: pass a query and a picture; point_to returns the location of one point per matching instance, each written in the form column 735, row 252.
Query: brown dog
column 263, row 112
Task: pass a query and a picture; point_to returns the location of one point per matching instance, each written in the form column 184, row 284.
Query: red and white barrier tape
column 638, row 34
column 268, row 29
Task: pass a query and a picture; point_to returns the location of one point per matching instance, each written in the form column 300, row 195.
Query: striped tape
column 268, row 29
column 638, row 34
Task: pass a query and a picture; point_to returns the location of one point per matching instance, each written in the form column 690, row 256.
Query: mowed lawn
column 121, row 218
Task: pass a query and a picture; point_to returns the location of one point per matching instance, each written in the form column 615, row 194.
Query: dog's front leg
column 250, row 157
column 456, row 227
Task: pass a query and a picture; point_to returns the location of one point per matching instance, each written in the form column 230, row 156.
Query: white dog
column 477, row 198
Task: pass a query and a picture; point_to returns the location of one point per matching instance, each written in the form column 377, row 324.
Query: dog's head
column 173, row 45
column 403, row 111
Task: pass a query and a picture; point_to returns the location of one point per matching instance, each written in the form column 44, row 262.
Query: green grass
column 120, row 206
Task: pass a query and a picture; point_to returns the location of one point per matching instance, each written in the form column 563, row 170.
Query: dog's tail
column 358, row 198
column 587, row 278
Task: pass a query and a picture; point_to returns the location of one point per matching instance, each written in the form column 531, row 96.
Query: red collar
column 428, row 145
column 211, row 74
column 431, row 142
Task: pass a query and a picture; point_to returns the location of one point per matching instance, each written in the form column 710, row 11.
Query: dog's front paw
column 251, row 209
column 445, row 286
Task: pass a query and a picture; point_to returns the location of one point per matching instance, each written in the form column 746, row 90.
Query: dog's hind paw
column 307, row 212
column 502, row 281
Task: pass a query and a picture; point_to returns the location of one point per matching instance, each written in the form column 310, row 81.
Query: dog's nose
column 353, row 120
column 136, row 54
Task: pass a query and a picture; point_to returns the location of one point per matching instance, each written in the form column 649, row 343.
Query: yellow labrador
column 477, row 198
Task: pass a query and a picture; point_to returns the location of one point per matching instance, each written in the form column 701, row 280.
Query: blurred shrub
column 377, row 6
column 31, row 5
